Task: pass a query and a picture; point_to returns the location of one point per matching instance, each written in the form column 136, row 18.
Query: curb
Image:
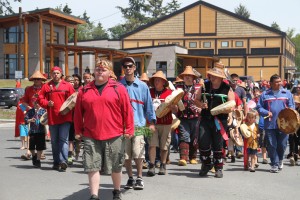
column 7, row 120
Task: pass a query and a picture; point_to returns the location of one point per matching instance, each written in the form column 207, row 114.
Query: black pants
column 211, row 140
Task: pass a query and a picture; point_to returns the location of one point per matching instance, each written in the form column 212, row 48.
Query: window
column 193, row 44
column 55, row 37
column 11, row 35
column 239, row 43
column 11, row 65
column 161, row 66
column 206, row 44
column 177, row 43
column 161, row 43
column 225, row 44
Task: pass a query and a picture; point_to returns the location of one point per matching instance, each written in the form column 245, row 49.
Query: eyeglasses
column 126, row 66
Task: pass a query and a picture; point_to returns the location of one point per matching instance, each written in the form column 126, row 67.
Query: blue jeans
column 60, row 142
column 277, row 143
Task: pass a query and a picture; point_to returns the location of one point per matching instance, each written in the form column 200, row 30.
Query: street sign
column 18, row 74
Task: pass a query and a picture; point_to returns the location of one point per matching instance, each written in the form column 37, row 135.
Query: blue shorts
column 23, row 130
column 252, row 151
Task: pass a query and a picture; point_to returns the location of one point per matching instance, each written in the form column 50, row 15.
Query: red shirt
column 31, row 95
column 103, row 116
column 58, row 96
column 237, row 99
column 167, row 119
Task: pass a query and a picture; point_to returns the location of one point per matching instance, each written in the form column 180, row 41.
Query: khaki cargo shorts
column 162, row 137
column 105, row 155
column 135, row 147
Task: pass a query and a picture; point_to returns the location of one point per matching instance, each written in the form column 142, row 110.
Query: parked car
column 10, row 96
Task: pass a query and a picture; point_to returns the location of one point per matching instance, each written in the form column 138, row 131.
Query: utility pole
column 19, row 38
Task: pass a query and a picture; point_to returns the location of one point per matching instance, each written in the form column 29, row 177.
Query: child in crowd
column 37, row 133
column 252, row 141
column 23, row 129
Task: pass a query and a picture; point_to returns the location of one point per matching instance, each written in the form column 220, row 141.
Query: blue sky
column 285, row 13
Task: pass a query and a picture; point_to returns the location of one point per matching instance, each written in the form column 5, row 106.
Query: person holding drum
column 104, row 117
column 162, row 136
column 270, row 104
column 188, row 119
column 51, row 97
column 212, row 130
column 141, row 103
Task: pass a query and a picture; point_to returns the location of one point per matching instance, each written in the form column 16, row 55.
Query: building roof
column 207, row 5
column 47, row 14
column 106, row 51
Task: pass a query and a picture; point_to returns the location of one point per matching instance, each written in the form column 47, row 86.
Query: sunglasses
column 37, row 79
column 128, row 66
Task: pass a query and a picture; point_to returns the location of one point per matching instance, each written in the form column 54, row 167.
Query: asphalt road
column 19, row 180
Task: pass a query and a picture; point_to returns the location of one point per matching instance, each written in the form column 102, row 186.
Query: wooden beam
column 80, row 64
column 51, row 49
column 75, row 44
column 41, row 45
column 25, row 49
column 142, row 65
column 66, row 62
column 57, row 22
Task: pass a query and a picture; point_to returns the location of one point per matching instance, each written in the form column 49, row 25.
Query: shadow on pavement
column 105, row 192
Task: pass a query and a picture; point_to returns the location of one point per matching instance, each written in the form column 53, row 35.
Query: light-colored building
column 245, row 46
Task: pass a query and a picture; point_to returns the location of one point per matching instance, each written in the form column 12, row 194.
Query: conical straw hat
column 188, row 71
column 144, row 77
column 159, row 74
column 37, row 74
column 217, row 70
column 178, row 80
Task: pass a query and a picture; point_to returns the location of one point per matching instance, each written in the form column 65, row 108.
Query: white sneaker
column 280, row 164
column 274, row 169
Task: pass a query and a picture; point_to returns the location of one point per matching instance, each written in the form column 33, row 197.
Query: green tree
column 67, row 10
column 99, row 33
column 242, row 11
column 155, row 8
column 140, row 12
column 5, row 7
column 296, row 41
column 275, row 26
column 171, row 7
column 290, row 32
column 117, row 31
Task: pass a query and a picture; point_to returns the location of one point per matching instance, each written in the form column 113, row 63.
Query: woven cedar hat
column 144, row 77
column 188, row 71
column 159, row 74
column 37, row 74
column 217, row 70
column 178, row 80
column 297, row 99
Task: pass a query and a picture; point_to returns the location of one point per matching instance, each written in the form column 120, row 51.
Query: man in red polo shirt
column 51, row 97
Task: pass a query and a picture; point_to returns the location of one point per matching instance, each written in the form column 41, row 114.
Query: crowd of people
column 117, row 123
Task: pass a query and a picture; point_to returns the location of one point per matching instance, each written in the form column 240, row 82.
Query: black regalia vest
column 215, row 97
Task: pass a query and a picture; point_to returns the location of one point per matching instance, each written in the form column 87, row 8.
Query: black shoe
column 219, row 173
column 162, row 169
column 139, row 184
column 116, row 195
column 130, row 183
column 56, row 167
column 63, row 166
column 94, row 197
column 151, row 171
column 37, row 164
column 34, row 158
column 232, row 159
column 205, row 169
